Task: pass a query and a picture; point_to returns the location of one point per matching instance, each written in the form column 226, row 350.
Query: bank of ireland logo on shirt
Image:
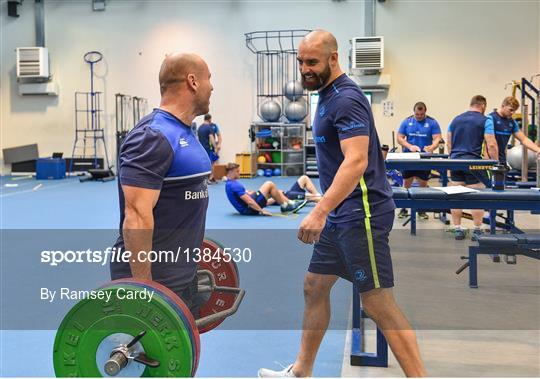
column 183, row 142
column 322, row 110
column 354, row 125
column 196, row 195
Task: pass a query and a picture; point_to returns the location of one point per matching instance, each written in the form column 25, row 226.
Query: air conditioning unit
column 367, row 54
column 43, row 88
column 33, row 64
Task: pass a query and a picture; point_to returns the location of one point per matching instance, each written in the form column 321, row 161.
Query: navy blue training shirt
column 204, row 134
column 234, row 190
column 162, row 153
column 419, row 133
column 468, row 131
column 504, row 128
column 343, row 111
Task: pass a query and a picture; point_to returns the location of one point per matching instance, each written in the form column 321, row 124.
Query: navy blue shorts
column 212, row 155
column 356, row 251
column 295, row 192
column 470, row 177
column 259, row 199
column 424, row 175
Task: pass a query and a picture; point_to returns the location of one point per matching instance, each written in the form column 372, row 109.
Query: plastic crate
column 50, row 168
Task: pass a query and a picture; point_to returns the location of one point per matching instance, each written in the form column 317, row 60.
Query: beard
column 318, row 81
column 203, row 106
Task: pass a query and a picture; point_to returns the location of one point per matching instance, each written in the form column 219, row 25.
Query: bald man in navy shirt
column 350, row 225
column 162, row 181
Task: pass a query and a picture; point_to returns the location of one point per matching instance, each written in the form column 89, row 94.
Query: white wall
column 134, row 36
column 445, row 52
column 439, row 52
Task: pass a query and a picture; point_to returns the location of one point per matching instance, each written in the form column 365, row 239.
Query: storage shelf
column 282, row 164
column 292, row 160
column 279, row 124
column 311, row 158
column 283, row 151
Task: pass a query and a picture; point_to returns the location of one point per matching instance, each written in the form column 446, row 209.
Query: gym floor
column 492, row 331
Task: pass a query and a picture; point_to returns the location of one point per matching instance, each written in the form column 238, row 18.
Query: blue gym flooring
column 272, row 280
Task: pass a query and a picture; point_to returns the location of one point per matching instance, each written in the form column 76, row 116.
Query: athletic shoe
column 301, row 204
column 287, row 372
column 475, row 234
column 423, row 215
column 510, row 259
column 403, row 213
column 293, row 206
column 459, row 234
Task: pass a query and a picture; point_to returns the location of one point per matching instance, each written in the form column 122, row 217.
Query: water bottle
column 441, row 147
column 498, row 177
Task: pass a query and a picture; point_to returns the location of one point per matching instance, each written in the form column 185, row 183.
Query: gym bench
column 510, row 245
column 430, row 199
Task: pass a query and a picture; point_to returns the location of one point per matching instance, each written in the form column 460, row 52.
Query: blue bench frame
column 519, row 249
column 489, row 204
column 359, row 357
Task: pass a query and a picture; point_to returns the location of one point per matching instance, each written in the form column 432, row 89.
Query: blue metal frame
column 446, row 204
column 359, row 357
column 474, row 251
column 90, row 111
column 435, row 162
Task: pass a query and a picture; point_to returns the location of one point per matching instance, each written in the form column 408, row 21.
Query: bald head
column 318, row 60
column 321, row 39
column 184, row 82
column 176, row 67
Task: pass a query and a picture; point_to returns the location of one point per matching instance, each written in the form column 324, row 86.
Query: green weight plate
column 185, row 314
column 93, row 325
column 181, row 309
column 176, row 302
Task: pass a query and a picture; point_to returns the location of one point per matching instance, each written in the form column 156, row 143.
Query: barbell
column 145, row 329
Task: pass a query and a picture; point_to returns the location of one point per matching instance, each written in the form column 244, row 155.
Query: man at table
column 505, row 127
column 418, row 133
column 466, row 135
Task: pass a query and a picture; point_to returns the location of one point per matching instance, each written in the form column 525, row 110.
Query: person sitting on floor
column 248, row 202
